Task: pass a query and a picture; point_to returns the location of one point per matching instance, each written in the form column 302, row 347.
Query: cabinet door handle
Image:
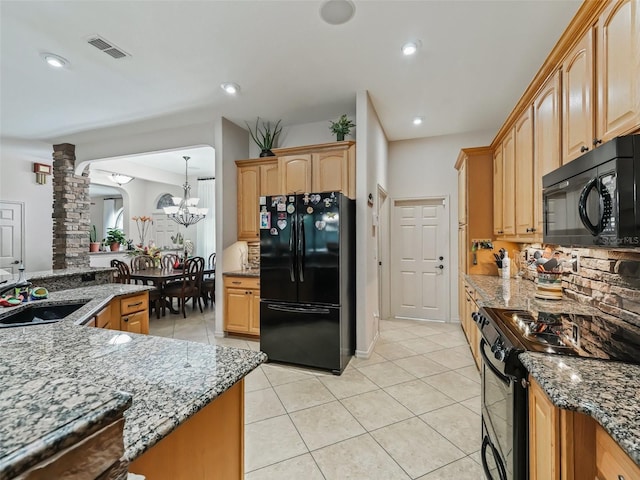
column 531, row 230
column 126, row 319
column 598, row 141
column 584, row 148
column 134, row 304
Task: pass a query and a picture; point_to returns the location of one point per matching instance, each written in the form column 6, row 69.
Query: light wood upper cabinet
column 248, row 193
column 330, row 171
column 497, row 191
column 295, row 173
column 618, row 69
column 462, row 194
column 546, row 141
column 269, row 178
column 523, row 132
column 508, row 182
column 577, row 113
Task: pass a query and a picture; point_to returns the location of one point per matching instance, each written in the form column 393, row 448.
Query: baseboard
column 365, row 354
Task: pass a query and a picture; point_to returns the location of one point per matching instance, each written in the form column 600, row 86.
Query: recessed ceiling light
column 410, row 48
column 418, row 120
column 55, row 61
column 230, row 88
column 337, row 12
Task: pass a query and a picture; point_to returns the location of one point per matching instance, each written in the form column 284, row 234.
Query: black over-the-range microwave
column 594, row 199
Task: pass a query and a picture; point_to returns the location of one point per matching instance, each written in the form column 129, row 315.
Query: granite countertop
column 169, row 380
column 65, row 272
column 251, row 273
column 606, row 391
column 520, row 294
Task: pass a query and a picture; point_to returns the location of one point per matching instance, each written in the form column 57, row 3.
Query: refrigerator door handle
column 301, row 248
column 292, row 253
column 312, row 310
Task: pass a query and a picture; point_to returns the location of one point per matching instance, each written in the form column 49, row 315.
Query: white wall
column 372, row 158
column 18, row 184
column 232, row 143
column 425, row 168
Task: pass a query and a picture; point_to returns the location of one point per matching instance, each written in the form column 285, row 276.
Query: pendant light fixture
column 185, row 211
column 120, row 179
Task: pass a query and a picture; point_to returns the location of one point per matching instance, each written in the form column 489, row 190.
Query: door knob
column 15, row 262
column 440, row 258
column 440, row 267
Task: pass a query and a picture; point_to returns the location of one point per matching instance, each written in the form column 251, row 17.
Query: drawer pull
column 134, row 304
column 236, row 283
column 126, row 319
column 620, row 477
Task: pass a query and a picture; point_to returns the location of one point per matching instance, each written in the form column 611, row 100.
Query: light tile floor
column 410, row 411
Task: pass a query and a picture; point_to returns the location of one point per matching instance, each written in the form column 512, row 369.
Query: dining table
column 160, row 277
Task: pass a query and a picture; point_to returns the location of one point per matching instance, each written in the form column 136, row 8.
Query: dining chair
column 145, row 262
column 123, row 274
column 142, row 262
column 190, row 286
column 209, row 282
column 168, row 261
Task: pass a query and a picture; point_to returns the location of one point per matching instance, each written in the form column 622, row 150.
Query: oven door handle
column 488, row 363
column 483, row 456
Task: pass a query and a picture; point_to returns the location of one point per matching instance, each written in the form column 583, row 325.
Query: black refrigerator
column 307, row 279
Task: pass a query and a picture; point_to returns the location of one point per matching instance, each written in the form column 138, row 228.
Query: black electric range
column 508, row 332
column 588, row 336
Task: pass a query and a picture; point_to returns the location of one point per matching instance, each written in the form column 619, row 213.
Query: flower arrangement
column 143, row 223
column 148, row 250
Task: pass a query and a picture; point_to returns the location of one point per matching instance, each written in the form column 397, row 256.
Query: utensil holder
column 549, row 286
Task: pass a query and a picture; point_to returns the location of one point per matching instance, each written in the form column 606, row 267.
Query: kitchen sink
column 39, row 315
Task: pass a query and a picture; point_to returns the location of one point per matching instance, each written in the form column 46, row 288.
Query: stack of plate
column 549, row 285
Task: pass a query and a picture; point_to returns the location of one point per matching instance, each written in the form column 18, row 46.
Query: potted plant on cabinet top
column 94, row 245
column 265, row 136
column 115, row 237
column 342, row 127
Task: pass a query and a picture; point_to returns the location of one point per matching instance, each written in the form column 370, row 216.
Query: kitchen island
column 606, row 392
column 168, row 382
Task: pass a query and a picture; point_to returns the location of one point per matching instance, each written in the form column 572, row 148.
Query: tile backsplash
column 606, row 279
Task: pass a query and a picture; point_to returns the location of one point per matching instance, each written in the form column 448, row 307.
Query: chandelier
column 185, row 211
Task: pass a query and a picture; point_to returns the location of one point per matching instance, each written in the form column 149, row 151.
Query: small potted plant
column 342, row 127
column 265, row 137
column 115, row 237
column 94, row 244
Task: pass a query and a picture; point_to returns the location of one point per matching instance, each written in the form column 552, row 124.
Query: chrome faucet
column 6, row 288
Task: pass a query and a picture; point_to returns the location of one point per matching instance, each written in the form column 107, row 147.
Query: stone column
column 71, row 216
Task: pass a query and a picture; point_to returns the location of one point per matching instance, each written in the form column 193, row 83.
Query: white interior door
column 11, row 236
column 163, row 230
column 420, row 259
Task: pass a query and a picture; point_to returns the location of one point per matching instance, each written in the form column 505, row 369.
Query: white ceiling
column 477, row 58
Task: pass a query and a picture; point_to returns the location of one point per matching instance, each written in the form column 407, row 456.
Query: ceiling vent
column 107, row 47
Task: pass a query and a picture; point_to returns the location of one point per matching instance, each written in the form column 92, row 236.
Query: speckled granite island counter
column 169, row 380
column 608, row 392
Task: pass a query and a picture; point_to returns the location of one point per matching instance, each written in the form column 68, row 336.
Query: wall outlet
column 575, row 262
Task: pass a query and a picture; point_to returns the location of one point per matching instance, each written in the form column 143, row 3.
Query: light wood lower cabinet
column 242, row 305
column 208, row 445
column 127, row 314
column 566, row 445
column 469, row 306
